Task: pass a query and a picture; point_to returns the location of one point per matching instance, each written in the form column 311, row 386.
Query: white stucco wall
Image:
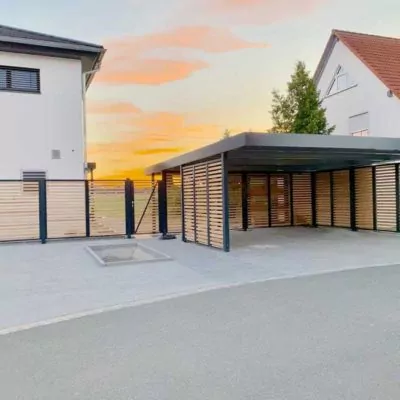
column 31, row 125
column 370, row 95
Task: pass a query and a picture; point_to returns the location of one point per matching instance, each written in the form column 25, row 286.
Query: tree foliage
column 299, row 110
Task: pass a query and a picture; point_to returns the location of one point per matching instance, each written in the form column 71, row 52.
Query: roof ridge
column 45, row 35
column 339, row 31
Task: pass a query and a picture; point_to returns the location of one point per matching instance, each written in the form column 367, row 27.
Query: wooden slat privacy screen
column 280, row 200
column 386, row 197
column 364, row 198
column 174, row 202
column 258, row 201
column 323, row 199
column 203, row 203
column 341, row 199
column 302, row 204
column 235, row 201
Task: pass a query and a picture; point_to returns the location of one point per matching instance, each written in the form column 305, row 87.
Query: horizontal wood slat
column 203, row 203
column 364, row 198
column 302, row 204
column 257, row 201
column 235, row 201
column 386, row 197
column 280, row 200
column 341, row 199
column 323, row 198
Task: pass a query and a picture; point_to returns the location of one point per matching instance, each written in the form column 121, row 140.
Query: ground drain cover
column 127, row 253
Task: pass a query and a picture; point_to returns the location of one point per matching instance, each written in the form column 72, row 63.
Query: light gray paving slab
column 41, row 282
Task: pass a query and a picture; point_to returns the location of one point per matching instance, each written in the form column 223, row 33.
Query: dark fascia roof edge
column 282, row 141
column 83, row 47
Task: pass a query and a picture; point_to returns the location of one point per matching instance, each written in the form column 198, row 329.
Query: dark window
column 19, row 79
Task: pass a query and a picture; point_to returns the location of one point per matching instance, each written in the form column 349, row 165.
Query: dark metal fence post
column 87, row 208
column 162, row 206
column 397, row 198
column 245, row 205
column 42, row 210
column 269, row 200
column 183, row 204
column 129, row 230
column 352, row 187
column 332, row 198
column 194, row 203
column 225, row 203
column 314, row 198
column 208, row 206
column 374, row 214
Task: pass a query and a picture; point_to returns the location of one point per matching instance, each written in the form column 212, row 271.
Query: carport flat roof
column 290, row 152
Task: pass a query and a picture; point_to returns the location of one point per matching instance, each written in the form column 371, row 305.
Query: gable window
column 341, row 81
column 359, row 125
column 19, row 79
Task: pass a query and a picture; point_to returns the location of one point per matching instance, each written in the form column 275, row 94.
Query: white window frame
column 339, row 72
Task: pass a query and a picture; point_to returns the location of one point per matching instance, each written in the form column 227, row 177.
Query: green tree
column 299, row 110
column 226, row 134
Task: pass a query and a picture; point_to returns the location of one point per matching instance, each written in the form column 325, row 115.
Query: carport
column 255, row 180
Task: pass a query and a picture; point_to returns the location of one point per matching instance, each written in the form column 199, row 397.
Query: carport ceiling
column 290, row 152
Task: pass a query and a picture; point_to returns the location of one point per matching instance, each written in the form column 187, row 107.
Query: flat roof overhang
column 263, row 152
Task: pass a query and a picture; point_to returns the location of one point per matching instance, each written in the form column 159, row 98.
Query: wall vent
column 55, row 154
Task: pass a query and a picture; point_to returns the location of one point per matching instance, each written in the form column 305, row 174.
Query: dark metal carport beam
column 384, row 149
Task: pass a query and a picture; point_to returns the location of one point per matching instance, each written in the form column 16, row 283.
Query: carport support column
column 352, row 184
column 162, row 204
column 397, row 197
column 245, row 206
column 314, row 198
column 183, row 204
column 225, row 202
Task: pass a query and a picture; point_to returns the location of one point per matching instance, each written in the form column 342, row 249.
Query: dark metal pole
column 194, row 204
column 353, row 211
column 269, row 197
column 42, row 210
column 208, row 206
column 225, row 203
column 332, row 198
column 183, row 204
column 314, row 198
column 87, row 208
column 129, row 230
column 162, row 206
column 374, row 214
column 397, row 198
column 245, row 205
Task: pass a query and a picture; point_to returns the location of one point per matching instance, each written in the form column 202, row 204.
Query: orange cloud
column 95, row 107
column 260, row 11
column 129, row 60
column 162, row 150
column 151, row 137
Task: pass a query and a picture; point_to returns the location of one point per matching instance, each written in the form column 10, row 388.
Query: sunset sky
column 177, row 73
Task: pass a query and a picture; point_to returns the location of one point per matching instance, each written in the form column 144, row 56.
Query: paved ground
column 42, row 282
column 331, row 337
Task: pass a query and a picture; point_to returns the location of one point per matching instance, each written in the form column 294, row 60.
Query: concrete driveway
column 60, row 280
column 332, row 336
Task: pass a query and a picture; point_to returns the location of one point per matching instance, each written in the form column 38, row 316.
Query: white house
column 359, row 82
column 43, row 81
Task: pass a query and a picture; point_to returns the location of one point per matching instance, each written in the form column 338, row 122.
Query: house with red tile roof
column 358, row 77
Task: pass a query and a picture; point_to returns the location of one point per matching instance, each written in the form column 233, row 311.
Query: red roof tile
column 380, row 54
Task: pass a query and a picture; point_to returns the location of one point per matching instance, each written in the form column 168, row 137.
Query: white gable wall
column 32, row 125
column 370, row 95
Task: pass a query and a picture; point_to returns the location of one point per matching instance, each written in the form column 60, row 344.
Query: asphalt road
column 334, row 336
